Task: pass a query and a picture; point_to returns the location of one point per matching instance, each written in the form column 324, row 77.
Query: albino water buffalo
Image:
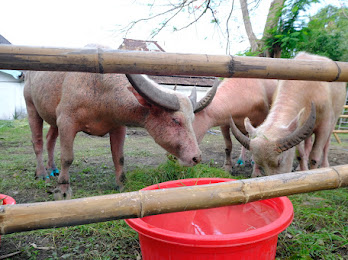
column 98, row 104
column 239, row 98
column 299, row 109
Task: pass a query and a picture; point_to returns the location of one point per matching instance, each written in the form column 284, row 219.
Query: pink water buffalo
column 299, row 109
column 239, row 98
column 98, row 104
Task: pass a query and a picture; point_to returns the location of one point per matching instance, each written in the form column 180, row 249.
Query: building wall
column 12, row 104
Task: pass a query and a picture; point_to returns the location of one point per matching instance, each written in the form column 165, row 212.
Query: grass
column 319, row 229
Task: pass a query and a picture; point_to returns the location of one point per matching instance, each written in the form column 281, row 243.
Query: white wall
column 11, row 97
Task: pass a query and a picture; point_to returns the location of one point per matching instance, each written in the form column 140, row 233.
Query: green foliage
column 249, row 53
column 326, row 34
column 288, row 34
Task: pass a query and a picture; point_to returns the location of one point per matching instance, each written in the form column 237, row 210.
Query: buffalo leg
column 67, row 134
column 36, row 124
column 325, row 161
column 304, row 149
column 302, row 157
column 117, row 137
column 308, row 145
column 241, row 159
column 51, row 138
column 317, row 151
column 225, row 130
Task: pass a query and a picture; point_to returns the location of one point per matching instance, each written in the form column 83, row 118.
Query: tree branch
column 131, row 25
column 177, row 8
column 227, row 28
column 166, row 22
column 199, row 17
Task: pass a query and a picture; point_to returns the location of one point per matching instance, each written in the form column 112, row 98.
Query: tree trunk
column 271, row 22
column 247, row 24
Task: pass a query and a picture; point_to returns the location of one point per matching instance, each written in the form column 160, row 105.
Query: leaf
column 286, row 39
column 295, row 34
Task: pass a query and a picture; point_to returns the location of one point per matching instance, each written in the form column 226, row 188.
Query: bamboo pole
column 162, row 63
column 340, row 131
column 25, row 217
column 337, row 137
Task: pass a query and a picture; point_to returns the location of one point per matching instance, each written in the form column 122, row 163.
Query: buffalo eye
column 176, row 121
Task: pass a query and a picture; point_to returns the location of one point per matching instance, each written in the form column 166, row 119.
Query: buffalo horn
column 204, row 102
column 299, row 134
column 148, row 89
column 244, row 140
column 193, row 97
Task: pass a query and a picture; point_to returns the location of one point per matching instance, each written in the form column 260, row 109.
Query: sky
column 75, row 23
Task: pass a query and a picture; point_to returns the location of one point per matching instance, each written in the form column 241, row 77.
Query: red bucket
column 6, row 200
column 248, row 231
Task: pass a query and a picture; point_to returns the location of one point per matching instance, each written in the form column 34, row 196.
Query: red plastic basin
column 6, row 200
column 248, row 231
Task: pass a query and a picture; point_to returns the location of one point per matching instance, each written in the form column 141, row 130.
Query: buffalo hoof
column 42, row 177
column 63, row 192
column 228, row 168
column 120, row 181
column 41, row 174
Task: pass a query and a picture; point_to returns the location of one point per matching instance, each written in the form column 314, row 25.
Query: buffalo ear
column 292, row 126
column 140, row 99
column 249, row 127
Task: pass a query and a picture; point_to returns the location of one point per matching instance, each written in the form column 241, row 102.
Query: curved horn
column 299, row 134
column 148, row 89
column 204, row 102
column 244, row 140
column 193, row 97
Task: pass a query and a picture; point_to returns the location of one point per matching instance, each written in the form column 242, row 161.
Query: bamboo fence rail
column 25, row 217
column 162, row 63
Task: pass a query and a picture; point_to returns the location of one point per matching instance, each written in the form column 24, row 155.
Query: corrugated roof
column 140, row 45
